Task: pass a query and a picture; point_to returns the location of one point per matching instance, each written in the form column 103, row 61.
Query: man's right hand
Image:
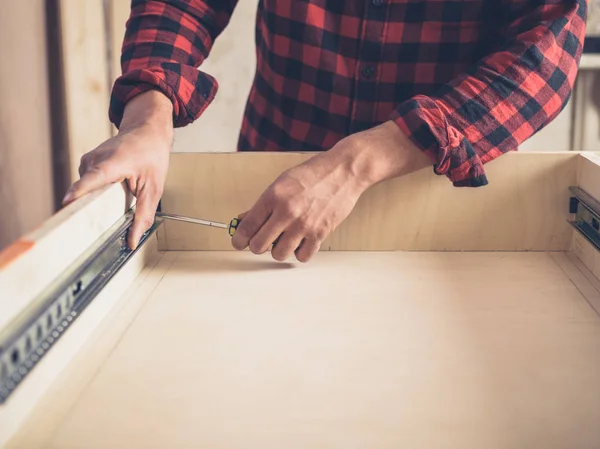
column 139, row 154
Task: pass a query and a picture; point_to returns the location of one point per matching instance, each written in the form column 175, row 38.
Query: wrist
column 151, row 109
column 380, row 153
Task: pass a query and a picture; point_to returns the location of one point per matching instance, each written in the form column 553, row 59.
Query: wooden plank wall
column 57, row 110
column 118, row 13
column 26, row 193
column 86, row 77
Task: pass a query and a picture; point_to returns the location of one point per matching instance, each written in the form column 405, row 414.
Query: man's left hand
column 307, row 202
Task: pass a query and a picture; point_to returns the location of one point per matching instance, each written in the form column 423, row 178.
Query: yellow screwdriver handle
column 233, row 224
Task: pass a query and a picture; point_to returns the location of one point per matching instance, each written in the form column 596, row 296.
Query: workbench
column 433, row 317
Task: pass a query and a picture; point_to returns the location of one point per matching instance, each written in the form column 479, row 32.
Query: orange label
column 14, row 251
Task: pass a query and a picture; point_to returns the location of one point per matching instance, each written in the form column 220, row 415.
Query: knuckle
column 84, row 160
column 246, row 227
column 291, row 209
column 277, row 190
column 304, row 226
column 146, row 222
column 316, row 235
column 84, row 164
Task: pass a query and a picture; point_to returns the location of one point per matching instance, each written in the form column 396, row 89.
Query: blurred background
column 59, row 59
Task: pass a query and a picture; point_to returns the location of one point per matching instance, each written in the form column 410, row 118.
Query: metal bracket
column 587, row 215
column 31, row 335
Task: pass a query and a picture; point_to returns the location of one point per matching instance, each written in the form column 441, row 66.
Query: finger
column 84, row 165
column 308, row 248
column 268, row 233
column 145, row 211
column 96, row 178
column 252, row 222
column 287, row 244
column 242, row 215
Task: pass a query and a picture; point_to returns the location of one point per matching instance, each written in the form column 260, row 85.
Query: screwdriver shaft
column 199, row 221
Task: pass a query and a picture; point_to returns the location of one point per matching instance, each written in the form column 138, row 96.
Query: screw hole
column 58, row 312
column 28, row 344
column 595, row 224
column 14, row 357
column 38, row 335
column 49, row 321
column 77, row 288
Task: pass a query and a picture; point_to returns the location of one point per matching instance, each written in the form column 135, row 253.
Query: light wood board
column 588, row 179
column 356, row 349
column 30, row 264
column 588, row 174
column 525, row 206
column 106, row 309
column 86, row 77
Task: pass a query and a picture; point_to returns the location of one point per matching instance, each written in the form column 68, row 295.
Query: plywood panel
column 378, row 350
column 588, row 174
column 523, row 208
column 86, row 77
column 106, row 309
column 588, row 179
column 30, row 264
column 26, row 192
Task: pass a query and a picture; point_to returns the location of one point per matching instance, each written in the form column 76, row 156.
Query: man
column 379, row 87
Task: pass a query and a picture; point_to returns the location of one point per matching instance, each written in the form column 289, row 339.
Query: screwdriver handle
column 233, row 224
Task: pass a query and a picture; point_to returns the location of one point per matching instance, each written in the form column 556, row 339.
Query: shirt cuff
column 422, row 120
column 190, row 90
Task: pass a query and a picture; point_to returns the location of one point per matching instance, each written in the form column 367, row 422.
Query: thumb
column 145, row 211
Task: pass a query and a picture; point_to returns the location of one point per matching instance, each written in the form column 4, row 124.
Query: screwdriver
column 231, row 227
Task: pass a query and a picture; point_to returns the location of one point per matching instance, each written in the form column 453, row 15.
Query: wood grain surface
column 588, row 179
column 107, row 309
column 86, row 77
column 357, row 349
column 523, row 208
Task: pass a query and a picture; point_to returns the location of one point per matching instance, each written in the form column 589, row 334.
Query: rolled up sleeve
column 165, row 43
column 504, row 99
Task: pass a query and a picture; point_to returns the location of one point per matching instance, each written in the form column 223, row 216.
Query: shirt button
column 377, row 2
column 367, row 71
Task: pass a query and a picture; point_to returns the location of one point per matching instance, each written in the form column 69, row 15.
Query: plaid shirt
column 466, row 80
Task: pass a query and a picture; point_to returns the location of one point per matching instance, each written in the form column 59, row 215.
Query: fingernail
column 68, row 197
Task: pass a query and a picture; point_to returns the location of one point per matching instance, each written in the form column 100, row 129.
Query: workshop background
column 60, row 58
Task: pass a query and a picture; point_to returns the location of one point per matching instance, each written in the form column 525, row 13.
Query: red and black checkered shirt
column 466, row 80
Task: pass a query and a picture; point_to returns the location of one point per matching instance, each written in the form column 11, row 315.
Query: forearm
column 378, row 154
